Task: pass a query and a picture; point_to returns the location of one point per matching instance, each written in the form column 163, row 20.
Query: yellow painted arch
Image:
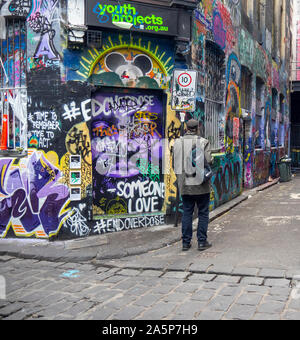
column 138, row 48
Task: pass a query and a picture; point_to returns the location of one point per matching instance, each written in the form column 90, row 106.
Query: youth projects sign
column 144, row 18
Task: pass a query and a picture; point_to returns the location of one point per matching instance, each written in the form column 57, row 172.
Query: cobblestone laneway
column 45, row 290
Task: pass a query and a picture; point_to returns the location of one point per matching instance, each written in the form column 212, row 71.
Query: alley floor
column 251, row 272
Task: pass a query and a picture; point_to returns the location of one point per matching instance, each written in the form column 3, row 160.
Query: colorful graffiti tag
column 109, row 108
column 126, row 134
column 227, row 181
column 41, row 16
column 233, row 104
column 32, row 198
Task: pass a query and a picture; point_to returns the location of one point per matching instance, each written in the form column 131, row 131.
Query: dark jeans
column 189, row 202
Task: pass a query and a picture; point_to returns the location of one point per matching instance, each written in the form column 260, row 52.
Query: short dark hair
column 192, row 124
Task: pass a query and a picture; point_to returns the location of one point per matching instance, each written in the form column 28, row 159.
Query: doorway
column 127, row 130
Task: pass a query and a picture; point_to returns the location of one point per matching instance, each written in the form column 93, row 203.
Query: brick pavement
column 250, row 273
column 84, row 291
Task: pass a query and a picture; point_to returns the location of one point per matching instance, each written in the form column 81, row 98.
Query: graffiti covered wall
column 127, row 158
column 215, row 22
column 127, row 124
column 96, row 115
column 123, row 61
column 254, row 138
column 33, row 196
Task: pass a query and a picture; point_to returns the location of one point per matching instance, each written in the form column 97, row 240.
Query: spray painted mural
column 233, row 105
column 127, row 128
column 96, row 118
column 219, row 22
column 227, row 182
column 124, row 61
column 216, row 23
column 33, row 197
column 42, row 17
column 126, row 151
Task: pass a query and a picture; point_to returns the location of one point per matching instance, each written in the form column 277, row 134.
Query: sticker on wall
column 75, row 162
column 75, row 194
column 75, row 178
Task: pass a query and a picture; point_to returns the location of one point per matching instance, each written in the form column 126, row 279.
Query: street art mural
column 124, row 61
column 33, row 197
column 218, row 21
column 96, row 118
column 235, row 13
column 42, row 18
column 227, row 182
column 13, row 52
column 233, row 105
column 261, row 168
column 127, row 169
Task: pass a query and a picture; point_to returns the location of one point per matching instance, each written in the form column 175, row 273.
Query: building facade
column 295, row 96
column 296, row 41
column 87, row 124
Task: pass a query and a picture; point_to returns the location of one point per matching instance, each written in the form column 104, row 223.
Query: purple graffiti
column 40, row 21
column 127, row 129
column 124, row 126
column 219, row 32
column 32, row 196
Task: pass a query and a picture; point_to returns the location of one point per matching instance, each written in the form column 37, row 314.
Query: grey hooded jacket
column 189, row 188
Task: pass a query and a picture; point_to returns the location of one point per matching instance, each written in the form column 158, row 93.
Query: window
column 246, row 89
column 283, row 45
column 282, row 106
column 274, row 132
column 274, row 29
column 214, row 96
column 258, row 14
column 13, row 93
column 260, row 86
column 281, row 120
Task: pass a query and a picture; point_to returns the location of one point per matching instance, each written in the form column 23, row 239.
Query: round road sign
column 185, row 79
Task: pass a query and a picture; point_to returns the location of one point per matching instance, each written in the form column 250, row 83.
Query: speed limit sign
column 185, row 79
column 184, row 90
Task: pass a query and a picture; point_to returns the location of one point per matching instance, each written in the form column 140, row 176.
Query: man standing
column 191, row 186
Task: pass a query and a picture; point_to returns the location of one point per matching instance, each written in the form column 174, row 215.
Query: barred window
column 281, row 120
column 215, row 91
column 274, row 130
column 246, row 89
column 13, row 92
column 260, row 88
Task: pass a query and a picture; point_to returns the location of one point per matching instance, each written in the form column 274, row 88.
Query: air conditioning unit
column 76, row 37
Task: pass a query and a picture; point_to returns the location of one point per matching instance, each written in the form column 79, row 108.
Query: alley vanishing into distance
column 251, row 272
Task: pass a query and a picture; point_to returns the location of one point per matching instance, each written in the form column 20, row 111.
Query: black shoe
column 186, row 247
column 204, row 246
